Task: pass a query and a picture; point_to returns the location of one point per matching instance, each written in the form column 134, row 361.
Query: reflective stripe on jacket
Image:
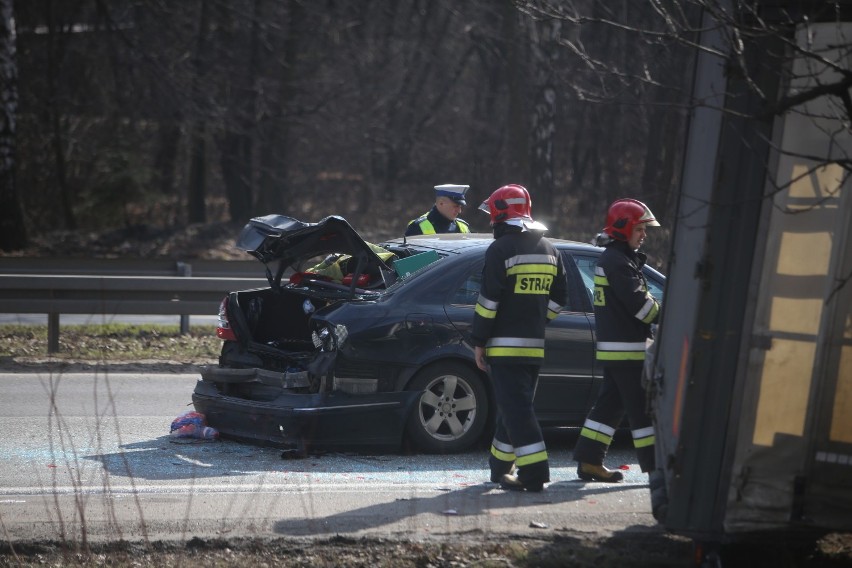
column 433, row 222
column 624, row 308
column 523, row 287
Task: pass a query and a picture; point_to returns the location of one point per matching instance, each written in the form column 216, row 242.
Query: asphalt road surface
column 89, row 456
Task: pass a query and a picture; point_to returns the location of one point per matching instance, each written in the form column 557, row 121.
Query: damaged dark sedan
column 360, row 344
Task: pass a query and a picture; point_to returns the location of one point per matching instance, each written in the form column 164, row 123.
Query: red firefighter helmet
column 623, row 215
column 511, row 204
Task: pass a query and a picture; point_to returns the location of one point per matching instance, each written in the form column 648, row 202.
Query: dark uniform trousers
column 517, row 438
column 622, row 387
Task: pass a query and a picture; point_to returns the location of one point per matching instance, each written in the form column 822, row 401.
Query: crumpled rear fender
column 306, row 420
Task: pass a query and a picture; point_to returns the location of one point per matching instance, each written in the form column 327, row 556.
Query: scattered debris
column 192, row 424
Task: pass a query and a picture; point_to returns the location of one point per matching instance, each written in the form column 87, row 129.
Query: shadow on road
column 486, row 502
column 167, row 458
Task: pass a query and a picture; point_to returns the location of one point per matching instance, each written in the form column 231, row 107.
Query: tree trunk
column 13, row 234
column 197, row 191
column 237, row 143
column 236, row 159
column 273, row 194
column 195, row 206
column 544, row 112
column 55, row 119
column 518, row 131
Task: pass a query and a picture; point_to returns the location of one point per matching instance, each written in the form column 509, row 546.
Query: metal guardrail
column 92, row 286
column 129, row 266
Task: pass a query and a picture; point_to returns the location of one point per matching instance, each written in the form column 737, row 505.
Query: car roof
column 448, row 244
column 458, row 242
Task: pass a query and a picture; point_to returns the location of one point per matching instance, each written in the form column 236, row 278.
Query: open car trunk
column 274, row 380
column 275, row 343
column 268, row 330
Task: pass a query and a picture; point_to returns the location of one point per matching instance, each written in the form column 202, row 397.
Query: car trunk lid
column 291, row 243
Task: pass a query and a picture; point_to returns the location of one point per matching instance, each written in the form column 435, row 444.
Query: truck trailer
column 750, row 378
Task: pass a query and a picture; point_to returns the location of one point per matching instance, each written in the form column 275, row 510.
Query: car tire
column 451, row 413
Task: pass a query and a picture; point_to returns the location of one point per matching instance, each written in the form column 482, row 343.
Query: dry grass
column 110, row 343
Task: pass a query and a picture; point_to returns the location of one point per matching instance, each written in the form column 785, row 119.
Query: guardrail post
column 52, row 332
column 184, row 269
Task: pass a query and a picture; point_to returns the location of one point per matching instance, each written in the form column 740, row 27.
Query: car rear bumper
column 306, row 420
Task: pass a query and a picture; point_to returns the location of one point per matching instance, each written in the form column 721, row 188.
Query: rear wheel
column 452, row 411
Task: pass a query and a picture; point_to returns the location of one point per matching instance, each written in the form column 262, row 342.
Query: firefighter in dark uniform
column 624, row 312
column 444, row 215
column 523, row 287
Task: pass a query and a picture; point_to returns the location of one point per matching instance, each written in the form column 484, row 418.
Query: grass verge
column 111, row 342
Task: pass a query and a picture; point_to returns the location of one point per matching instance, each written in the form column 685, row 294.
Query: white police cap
column 453, row 191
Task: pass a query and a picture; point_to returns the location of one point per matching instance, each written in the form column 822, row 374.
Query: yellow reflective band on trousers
column 502, row 456
column 596, row 436
column 530, row 454
column 529, row 459
column 643, row 437
column 620, row 356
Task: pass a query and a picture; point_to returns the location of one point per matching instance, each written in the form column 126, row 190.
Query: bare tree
column 242, row 37
column 197, row 186
column 544, row 114
column 13, row 234
column 280, row 107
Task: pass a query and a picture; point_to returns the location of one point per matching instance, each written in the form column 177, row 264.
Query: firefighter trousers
column 621, row 391
column 517, row 438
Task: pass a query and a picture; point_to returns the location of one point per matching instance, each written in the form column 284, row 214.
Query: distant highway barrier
column 127, row 287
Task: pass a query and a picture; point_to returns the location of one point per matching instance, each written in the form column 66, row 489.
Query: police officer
column 523, row 287
column 624, row 312
column 444, row 215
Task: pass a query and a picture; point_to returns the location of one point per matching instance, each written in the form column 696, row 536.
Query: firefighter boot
column 497, row 475
column 589, row 472
column 511, row 482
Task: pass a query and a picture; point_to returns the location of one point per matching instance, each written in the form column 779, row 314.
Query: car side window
column 586, row 266
column 468, row 292
column 654, row 288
